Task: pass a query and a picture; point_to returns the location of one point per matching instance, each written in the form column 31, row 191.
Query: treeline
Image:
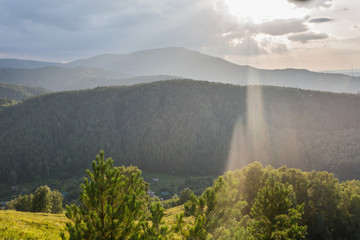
column 43, row 200
column 329, row 209
column 181, row 127
column 254, row 202
column 19, row 92
column 6, row 102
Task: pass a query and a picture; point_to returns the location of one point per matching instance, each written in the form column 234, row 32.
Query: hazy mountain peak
column 181, row 62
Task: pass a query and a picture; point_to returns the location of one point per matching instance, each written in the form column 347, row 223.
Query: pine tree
column 42, row 201
column 154, row 231
column 112, row 199
column 275, row 215
column 57, row 199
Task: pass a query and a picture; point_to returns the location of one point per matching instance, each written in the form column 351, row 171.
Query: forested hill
column 182, row 127
column 20, row 92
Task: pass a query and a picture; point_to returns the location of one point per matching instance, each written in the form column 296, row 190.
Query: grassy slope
column 24, row 225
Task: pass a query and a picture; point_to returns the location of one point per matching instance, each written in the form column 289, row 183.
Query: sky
column 271, row 34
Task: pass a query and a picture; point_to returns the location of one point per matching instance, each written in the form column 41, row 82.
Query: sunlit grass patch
column 24, row 225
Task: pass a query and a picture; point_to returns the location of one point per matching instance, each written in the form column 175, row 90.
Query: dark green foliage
column 284, row 203
column 154, row 231
column 185, row 195
column 12, row 179
column 57, row 199
column 275, row 215
column 181, row 127
column 43, row 200
column 218, row 211
column 21, row 203
column 112, row 199
column 19, row 92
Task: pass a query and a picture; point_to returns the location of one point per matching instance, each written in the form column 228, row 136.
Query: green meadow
column 25, row 225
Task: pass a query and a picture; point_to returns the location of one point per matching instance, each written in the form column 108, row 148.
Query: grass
column 24, row 225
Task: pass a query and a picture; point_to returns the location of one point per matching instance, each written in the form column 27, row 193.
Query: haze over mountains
column 64, row 79
column 162, row 64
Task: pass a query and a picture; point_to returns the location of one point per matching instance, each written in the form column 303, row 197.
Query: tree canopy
column 182, row 127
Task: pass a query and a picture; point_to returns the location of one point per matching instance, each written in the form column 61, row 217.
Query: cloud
column 279, row 48
column 67, row 30
column 320, row 20
column 282, row 26
column 248, row 47
column 276, row 27
column 308, row 36
column 311, row 3
column 77, row 29
column 89, row 27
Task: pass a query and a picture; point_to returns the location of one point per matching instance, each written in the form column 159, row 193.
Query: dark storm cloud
column 320, row 20
column 307, row 36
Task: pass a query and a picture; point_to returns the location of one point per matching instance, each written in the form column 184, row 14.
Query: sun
column 264, row 10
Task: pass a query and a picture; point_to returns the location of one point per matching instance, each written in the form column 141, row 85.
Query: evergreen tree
column 21, row 203
column 155, row 231
column 57, row 199
column 42, row 201
column 112, row 200
column 275, row 215
column 218, row 209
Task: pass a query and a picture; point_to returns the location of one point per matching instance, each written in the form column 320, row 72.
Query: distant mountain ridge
column 28, row 64
column 180, row 62
column 57, row 78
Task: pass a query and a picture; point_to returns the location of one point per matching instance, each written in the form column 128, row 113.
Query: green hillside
column 24, row 225
column 20, row 92
column 181, row 127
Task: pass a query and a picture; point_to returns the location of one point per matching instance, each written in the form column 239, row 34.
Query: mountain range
column 163, row 64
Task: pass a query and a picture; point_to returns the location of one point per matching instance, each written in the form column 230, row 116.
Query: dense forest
column 20, row 92
column 181, row 127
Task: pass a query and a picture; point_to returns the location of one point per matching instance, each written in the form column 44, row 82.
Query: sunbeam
column 250, row 139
